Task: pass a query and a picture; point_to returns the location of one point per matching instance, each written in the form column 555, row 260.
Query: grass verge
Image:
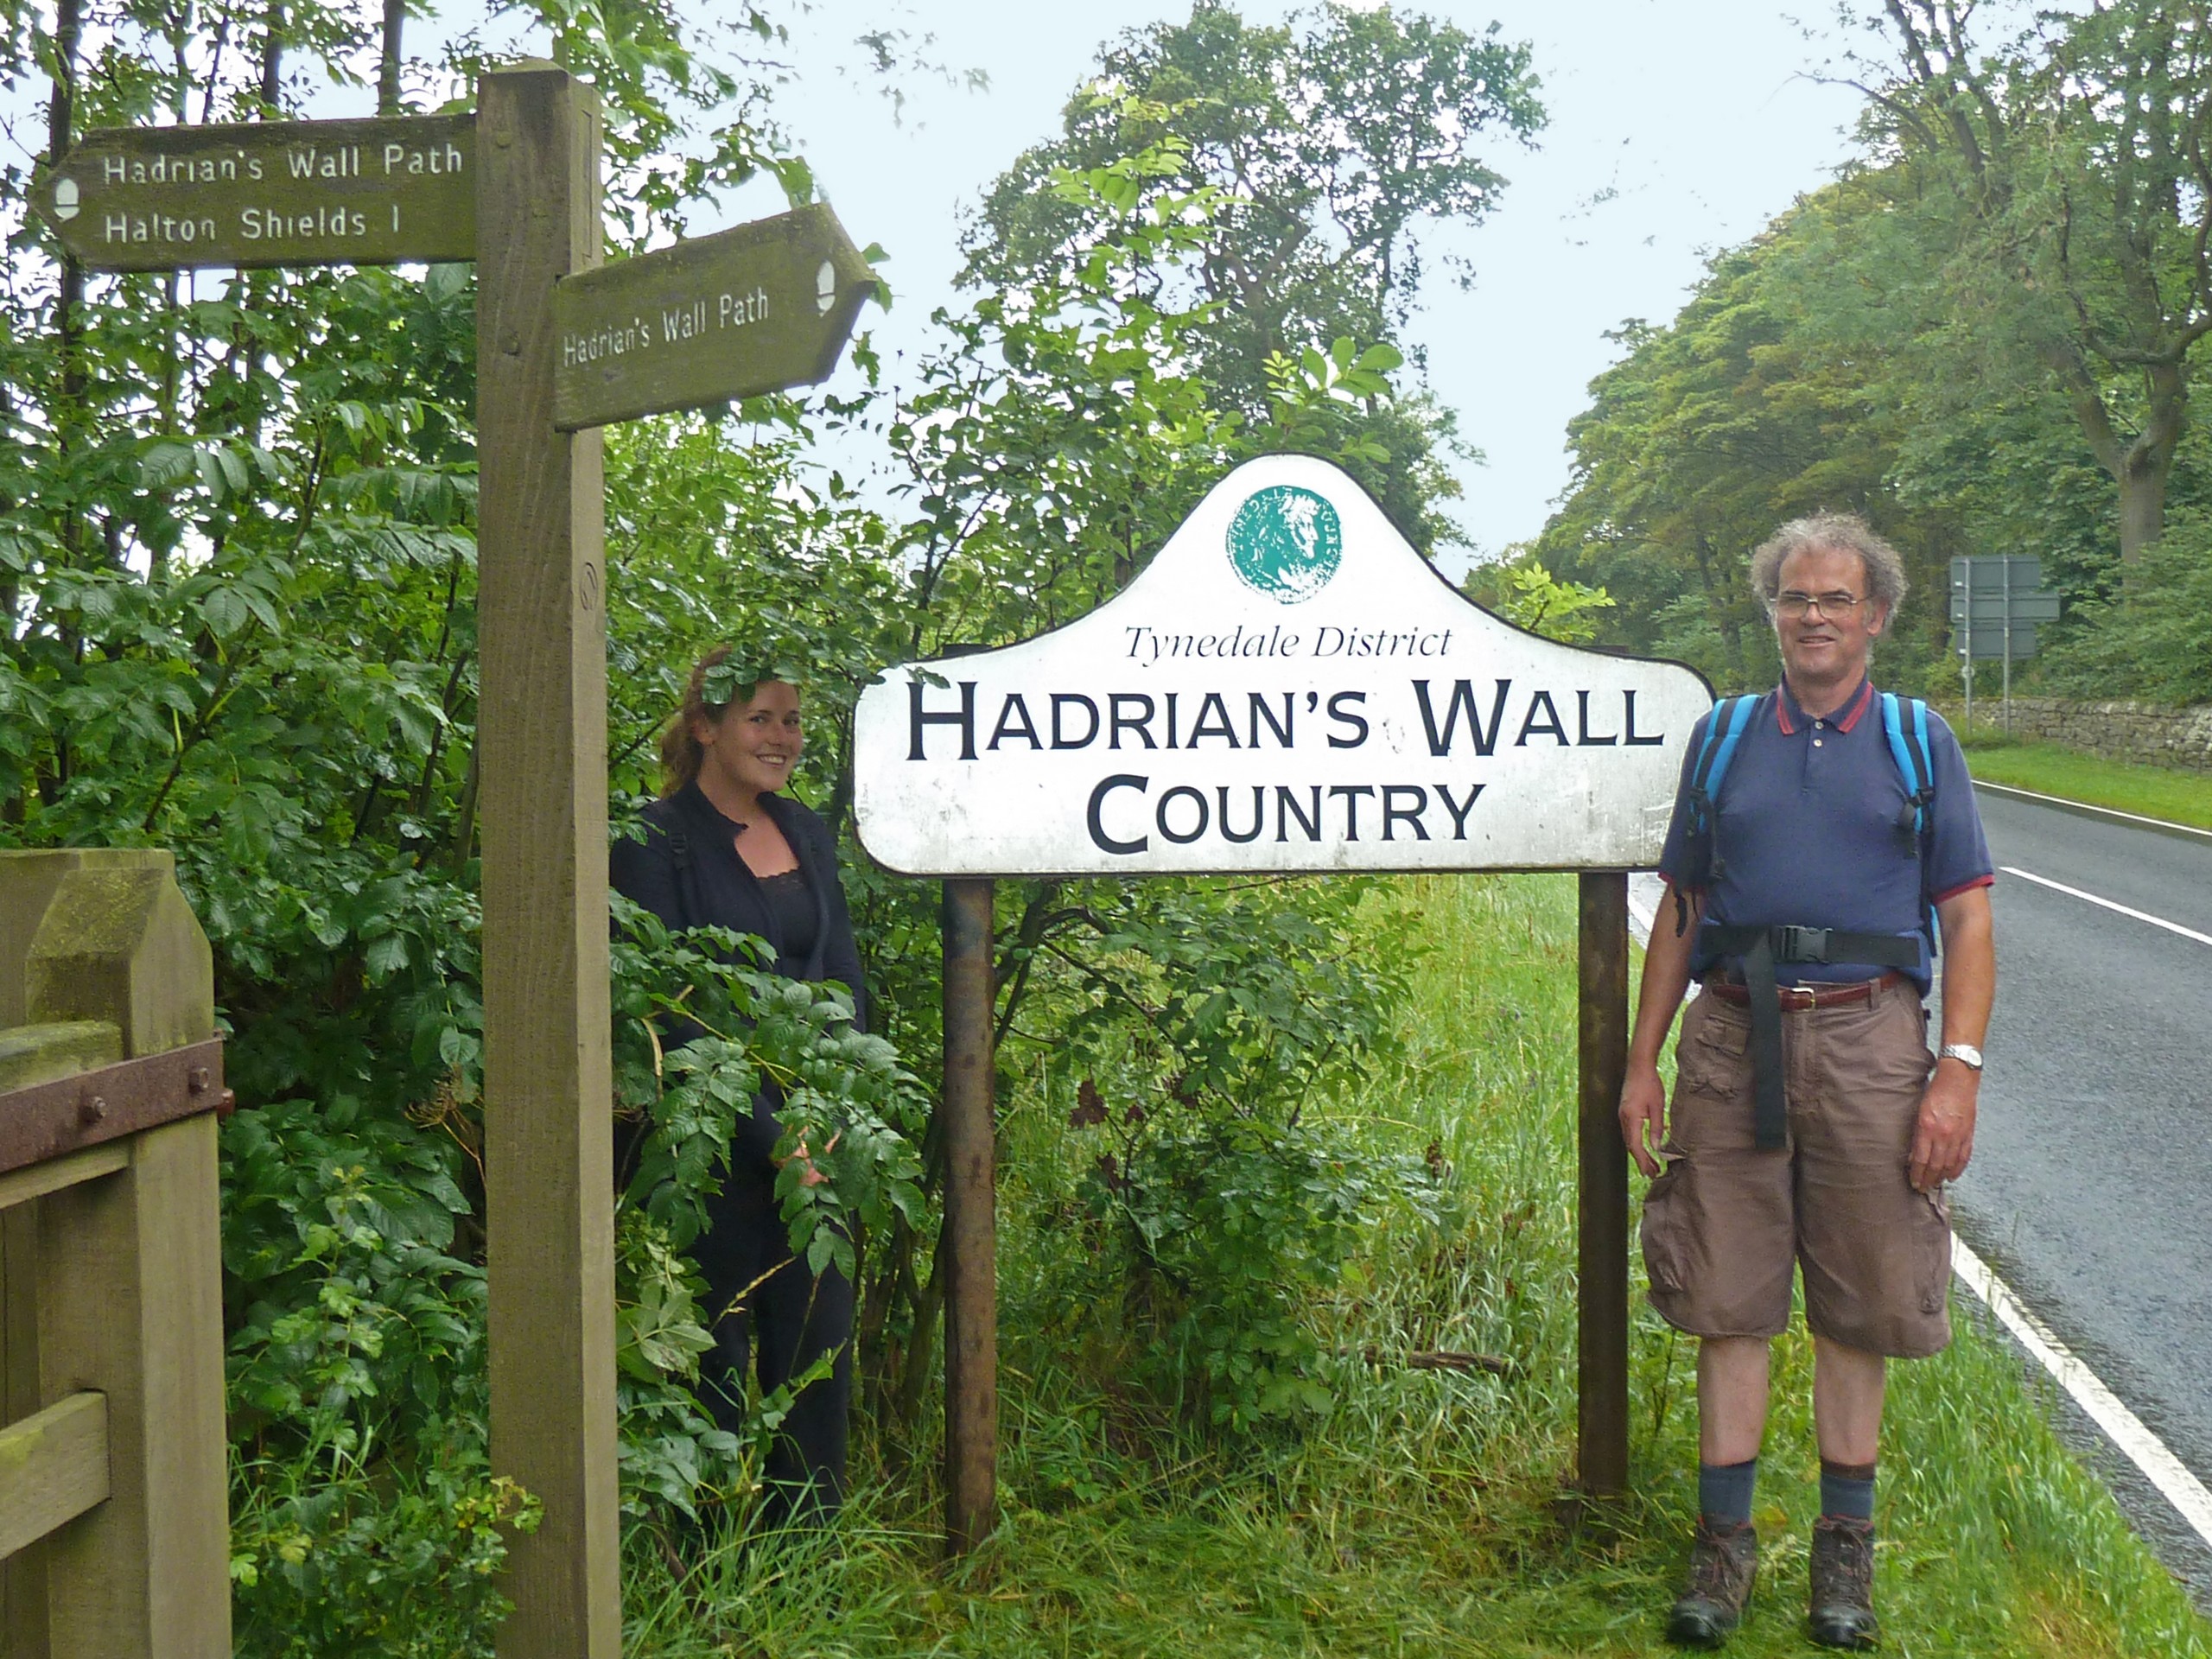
column 2165, row 792
column 1415, row 1516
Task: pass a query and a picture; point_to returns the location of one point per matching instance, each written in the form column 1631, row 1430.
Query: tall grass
column 2171, row 794
column 1417, row 1516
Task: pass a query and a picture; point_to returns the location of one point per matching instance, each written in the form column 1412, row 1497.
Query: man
column 1825, row 1143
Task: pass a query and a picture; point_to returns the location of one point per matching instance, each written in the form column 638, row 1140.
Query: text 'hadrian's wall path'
column 268, row 192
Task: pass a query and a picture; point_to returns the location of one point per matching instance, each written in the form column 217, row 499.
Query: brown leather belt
column 1795, row 997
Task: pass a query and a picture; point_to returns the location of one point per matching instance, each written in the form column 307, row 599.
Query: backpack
column 1904, row 723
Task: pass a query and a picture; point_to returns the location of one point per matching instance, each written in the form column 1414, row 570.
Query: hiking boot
column 1842, row 1614
column 1724, row 1559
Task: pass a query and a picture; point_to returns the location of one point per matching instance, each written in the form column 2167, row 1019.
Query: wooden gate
column 114, row 1535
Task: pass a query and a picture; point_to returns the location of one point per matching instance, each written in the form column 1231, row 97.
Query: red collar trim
column 1850, row 716
column 1843, row 721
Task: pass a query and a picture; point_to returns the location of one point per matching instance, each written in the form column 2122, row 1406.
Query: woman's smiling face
column 752, row 748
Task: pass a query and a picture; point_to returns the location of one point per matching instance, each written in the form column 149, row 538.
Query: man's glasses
column 1794, row 605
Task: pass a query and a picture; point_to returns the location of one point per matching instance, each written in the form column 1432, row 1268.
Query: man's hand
column 1643, row 1115
column 1943, row 1139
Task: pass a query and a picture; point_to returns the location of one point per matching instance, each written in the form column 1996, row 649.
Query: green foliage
column 1211, row 1017
column 361, row 1336
column 847, row 1108
column 1420, row 1514
column 1321, row 148
column 2153, row 639
column 238, row 558
column 1528, row 596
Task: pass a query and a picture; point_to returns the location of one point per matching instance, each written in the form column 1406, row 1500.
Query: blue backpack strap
column 1908, row 737
column 1724, row 730
column 1722, row 733
column 1908, row 748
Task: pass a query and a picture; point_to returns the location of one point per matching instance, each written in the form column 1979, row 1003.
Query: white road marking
column 2099, row 811
column 2122, row 1427
column 2140, row 915
column 2104, row 1408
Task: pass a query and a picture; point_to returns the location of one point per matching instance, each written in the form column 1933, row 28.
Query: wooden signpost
column 515, row 187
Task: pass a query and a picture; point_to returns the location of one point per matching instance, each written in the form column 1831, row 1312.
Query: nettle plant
column 1203, row 1030
column 701, row 1025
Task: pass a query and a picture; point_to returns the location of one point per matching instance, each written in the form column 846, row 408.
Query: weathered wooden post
column 113, row 1494
column 1601, row 1359
column 542, row 749
column 970, row 1233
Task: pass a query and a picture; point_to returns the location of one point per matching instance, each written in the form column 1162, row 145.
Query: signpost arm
column 542, row 760
column 1601, row 1368
column 969, row 1239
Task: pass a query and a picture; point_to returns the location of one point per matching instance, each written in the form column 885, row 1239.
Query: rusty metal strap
column 50, row 1119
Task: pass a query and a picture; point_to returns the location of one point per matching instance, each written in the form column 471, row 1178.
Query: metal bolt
column 90, row 1109
column 195, row 1081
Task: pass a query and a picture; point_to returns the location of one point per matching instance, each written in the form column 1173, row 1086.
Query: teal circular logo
column 1286, row 543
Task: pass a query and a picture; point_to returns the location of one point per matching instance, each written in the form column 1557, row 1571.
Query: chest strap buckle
column 1803, row 944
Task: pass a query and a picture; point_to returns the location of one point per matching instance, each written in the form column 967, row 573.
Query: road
column 2090, row 1191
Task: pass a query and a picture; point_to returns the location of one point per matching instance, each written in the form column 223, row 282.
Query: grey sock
column 1724, row 1491
column 1848, row 1489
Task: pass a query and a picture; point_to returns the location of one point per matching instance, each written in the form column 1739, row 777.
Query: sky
column 1677, row 128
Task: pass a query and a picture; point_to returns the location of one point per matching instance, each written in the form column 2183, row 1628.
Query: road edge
column 2083, row 809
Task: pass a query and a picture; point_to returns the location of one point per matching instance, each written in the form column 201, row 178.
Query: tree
column 1333, row 142
column 2065, row 181
column 1755, row 404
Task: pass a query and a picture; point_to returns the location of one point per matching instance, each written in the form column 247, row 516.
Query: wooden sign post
column 1601, row 1219
column 563, row 347
column 542, row 748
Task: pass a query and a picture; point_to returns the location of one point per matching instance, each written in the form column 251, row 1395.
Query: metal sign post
column 1996, row 603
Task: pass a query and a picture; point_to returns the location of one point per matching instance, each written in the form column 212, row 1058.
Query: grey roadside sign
column 267, row 192
column 752, row 309
column 1997, row 600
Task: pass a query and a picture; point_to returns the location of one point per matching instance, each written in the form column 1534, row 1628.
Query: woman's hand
column 809, row 1175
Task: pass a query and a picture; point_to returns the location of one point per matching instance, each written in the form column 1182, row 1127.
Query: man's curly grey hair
column 1843, row 532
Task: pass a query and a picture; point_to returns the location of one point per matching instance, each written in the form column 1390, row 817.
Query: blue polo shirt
column 1812, row 829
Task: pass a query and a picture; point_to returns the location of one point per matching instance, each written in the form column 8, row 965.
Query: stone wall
column 2118, row 731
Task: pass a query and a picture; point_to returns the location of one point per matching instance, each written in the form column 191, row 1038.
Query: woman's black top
column 791, row 902
column 687, row 871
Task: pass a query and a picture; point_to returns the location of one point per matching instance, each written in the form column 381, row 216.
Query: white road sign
column 1287, row 686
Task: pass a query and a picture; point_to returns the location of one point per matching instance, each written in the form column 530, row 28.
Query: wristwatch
column 1966, row 1051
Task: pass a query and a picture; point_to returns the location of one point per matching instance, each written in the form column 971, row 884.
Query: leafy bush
column 848, row 1110
column 365, row 1518
column 2153, row 639
column 1212, row 1015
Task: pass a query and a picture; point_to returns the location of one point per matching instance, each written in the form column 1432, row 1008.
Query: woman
column 724, row 847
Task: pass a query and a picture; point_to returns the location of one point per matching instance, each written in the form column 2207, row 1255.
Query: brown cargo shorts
column 1724, row 1222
